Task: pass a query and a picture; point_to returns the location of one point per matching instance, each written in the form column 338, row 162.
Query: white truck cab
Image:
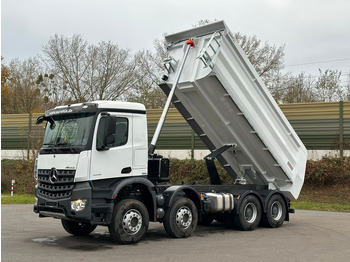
column 74, row 141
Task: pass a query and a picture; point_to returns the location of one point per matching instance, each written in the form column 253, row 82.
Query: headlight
column 78, row 205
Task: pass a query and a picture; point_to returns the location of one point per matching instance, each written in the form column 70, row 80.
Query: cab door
column 112, row 156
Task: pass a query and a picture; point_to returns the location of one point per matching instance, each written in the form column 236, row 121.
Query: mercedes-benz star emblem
column 53, row 175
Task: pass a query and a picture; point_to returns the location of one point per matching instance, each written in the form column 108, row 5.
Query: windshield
column 68, row 132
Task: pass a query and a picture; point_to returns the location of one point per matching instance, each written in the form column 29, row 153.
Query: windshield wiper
column 49, row 148
column 66, row 146
column 48, row 144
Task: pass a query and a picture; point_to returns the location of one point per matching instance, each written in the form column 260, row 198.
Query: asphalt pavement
column 309, row 236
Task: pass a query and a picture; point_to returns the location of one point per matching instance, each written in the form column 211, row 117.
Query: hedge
column 324, row 172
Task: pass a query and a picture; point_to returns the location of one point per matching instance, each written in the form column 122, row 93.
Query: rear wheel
column 249, row 214
column 129, row 222
column 181, row 218
column 276, row 212
column 77, row 228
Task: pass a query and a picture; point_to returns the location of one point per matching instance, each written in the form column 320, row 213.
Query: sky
column 316, row 33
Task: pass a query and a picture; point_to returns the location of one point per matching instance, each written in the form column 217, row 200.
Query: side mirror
column 108, row 127
column 43, row 118
column 40, row 119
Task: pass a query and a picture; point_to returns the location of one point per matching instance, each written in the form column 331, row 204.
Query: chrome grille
column 60, row 186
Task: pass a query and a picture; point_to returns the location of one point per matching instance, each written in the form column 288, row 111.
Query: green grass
column 334, row 198
column 334, row 207
column 17, row 199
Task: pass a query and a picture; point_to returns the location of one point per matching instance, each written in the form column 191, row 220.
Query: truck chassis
column 127, row 206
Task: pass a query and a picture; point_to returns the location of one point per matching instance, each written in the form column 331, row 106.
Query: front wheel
column 77, row 228
column 249, row 214
column 181, row 218
column 129, row 221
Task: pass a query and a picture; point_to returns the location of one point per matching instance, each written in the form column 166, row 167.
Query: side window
column 121, row 134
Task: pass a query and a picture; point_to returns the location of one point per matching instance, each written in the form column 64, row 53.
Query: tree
column 347, row 88
column 23, row 94
column 69, row 58
column 146, row 94
column 89, row 72
column 146, row 89
column 328, row 86
column 299, row 89
column 111, row 73
column 53, row 93
column 6, row 92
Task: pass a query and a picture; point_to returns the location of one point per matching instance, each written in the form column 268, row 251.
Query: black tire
column 77, row 228
column 207, row 219
column 129, row 221
column 181, row 218
column 249, row 215
column 275, row 212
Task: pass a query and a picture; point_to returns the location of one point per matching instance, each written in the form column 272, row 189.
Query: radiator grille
column 55, row 183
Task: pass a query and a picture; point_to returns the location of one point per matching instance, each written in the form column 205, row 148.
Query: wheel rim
column 250, row 213
column 276, row 210
column 183, row 217
column 132, row 222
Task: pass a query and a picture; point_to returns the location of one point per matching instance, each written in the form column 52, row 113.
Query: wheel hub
column 132, row 222
column 183, row 217
column 276, row 210
column 250, row 213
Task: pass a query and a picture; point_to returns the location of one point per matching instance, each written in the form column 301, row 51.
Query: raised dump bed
column 224, row 100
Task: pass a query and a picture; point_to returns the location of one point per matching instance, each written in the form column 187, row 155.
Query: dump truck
column 95, row 166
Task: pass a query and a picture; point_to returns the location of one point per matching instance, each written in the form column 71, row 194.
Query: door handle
column 126, row 170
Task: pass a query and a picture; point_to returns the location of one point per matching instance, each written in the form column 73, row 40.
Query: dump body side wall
column 222, row 96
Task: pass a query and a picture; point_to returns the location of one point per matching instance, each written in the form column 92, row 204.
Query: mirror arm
column 50, row 119
column 42, row 118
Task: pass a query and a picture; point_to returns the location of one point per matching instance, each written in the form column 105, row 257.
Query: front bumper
column 61, row 208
